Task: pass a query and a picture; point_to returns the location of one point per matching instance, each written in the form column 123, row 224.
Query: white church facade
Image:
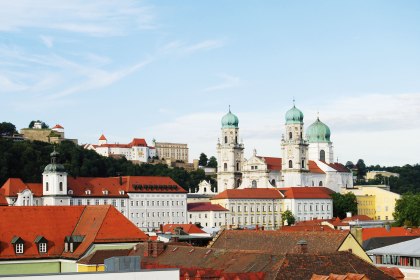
column 307, row 159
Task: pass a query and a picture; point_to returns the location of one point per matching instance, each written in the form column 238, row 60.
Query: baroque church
column 307, row 159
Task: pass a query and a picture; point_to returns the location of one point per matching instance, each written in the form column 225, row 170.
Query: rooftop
column 250, row 193
column 204, row 206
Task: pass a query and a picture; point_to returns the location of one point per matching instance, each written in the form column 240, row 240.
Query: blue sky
column 169, row 69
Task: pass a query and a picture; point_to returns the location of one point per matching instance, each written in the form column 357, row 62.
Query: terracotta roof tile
column 273, row 163
column 357, row 218
column 250, row 193
column 338, row 167
column 204, row 206
column 393, row 271
column 58, row 126
column 368, row 233
column 102, row 137
column 13, row 186
column 306, row 192
column 314, row 168
column 187, row 228
column 306, row 228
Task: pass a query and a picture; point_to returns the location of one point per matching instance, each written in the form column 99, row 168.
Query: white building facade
column 208, row 214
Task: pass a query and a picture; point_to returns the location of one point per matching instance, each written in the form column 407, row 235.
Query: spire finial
column 229, row 108
column 293, row 101
column 317, row 115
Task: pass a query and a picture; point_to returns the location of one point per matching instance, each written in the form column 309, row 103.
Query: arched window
column 322, row 155
column 61, row 186
column 237, row 166
column 303, row 163
column 301, row 136
column 225, row 166
column 320, row 183
column 205, row 189
column 46, row 186
column 236, row 139
column 254, row 184
column 290, row 135
column 273, row 182
column 290, row 164
column 225, row 139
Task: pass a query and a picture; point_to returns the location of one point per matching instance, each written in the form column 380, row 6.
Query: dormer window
column 105, row 192
column 18, row 244
column 70, row 191
column 72, row 242
column 42, row 243
column 87, row 192
column 121, row 192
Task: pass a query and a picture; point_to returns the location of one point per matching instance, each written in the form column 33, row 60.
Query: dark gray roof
column 378, row 242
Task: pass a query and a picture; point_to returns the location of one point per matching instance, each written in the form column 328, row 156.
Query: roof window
column 18, row 244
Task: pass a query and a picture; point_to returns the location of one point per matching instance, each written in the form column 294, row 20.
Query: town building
column 207, row 214
column 377, row 203
column 49, row 239
column 307, row 158
column 49, row 135
column 136, row 151
column 171, row 151
column 147, row 201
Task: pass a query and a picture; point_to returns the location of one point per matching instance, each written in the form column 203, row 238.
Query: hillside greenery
column 27, row 160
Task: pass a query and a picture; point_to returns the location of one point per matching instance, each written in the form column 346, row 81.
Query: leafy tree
column 343, row 203
column 203, row 160
column 288, row 216
column 212, row 162
column 361, row 169
column 43, row 125
column 350, row 165
column 7, row 129
column 407, row 210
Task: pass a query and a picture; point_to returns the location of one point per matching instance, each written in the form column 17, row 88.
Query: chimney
column 154, row 248
column 356, row 231
column 388, row 227
column 303, row 246
column 149, row 249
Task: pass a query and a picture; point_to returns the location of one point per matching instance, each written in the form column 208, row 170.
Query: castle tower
column 294, row 150
column 320, row 145
column 230, row 154
column 102, row 140
column 54, row 183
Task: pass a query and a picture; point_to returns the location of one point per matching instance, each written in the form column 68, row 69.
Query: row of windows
column 205, row 215
column 121, row 202
column 157, row 203
column 157, row 214
column 60, row 186
column 256, row 207
column 19, row 247
column 311, row 207
column 252, row 220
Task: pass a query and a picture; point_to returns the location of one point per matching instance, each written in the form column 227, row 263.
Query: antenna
column 229, row 108
column 293, row 101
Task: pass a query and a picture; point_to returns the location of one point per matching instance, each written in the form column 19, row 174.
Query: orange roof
column 357, row 218
column 306, row 193
column 338, row 167
column 306, row 228
column 204, row 206
column 13, row 186
column 251, row 193
column 273, row 163
column 368, row 233
column 58, row 126
column 97, row 224
column 188, row 228
column 138, row 142
column 102, row 137
column 314, row 168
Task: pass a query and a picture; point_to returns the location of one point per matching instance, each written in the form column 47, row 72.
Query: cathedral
column 307, row 159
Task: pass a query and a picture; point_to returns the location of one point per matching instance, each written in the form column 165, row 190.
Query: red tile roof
column 251, row 193
column 273, row 163
column 368, row 233
column 97, row 224
column 306, row 193
column 13, row 186
column 204, row 206
column 306, row 228
column 338, row 167
column 102, row 137
column 393, row 271
column 357, row 218
column 58, row 126
column 136, row 142
column 314, row 168
column 188, row 228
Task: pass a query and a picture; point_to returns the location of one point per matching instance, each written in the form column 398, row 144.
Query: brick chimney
column 302, row 246
column 154, row 248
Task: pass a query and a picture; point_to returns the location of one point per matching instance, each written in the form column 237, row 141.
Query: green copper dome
column 54, row 166
column 318, row 132
column 230, row 121
column 294, row 115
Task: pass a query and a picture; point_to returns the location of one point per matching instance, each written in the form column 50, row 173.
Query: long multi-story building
column 147, row 201
column 136, row 151
column 171, row 151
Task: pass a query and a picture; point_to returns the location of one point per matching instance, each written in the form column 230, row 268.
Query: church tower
column 320, row 145
column 54, row 183
column 230, row 154
column 294, row 150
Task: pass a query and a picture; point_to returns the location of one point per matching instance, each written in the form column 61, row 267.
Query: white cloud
column 96, row 18
column 227, row 82
column 205, row 45
column 47, row 41
column 182, row 48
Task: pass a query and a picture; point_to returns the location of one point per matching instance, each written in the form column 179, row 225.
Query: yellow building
column 375, row 202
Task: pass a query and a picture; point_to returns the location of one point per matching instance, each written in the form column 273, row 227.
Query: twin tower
column 297, row 150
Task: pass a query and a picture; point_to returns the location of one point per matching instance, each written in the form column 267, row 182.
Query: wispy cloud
column 205, row 45
column 47, row 40
column 97, row 18
column 183, row 48
column 228, row 81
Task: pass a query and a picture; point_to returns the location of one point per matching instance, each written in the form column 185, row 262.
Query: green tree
column 350, row 165
column 288, row 216
column 7, row 129
column 343, row 203
column 212, row 162
column 202, row 161
column 407, row 210
column 361, row 169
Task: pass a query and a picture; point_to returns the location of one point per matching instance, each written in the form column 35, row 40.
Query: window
column 303, row 163
column 290, row 135
column 322, row 155
column 19, row 248
column 273, row 182
column 254, row 184
column 290, row 164
column 79, row 202
column 132, row 203
column 237, row 166
column 225, row 166
column 42, row 247
column 225, row 139
column 114, row 202
column 46, row 186
column 61, row 186
column 122, row 203
column 320, row 183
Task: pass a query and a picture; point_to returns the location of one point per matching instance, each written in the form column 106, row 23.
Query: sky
column 168, row 70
